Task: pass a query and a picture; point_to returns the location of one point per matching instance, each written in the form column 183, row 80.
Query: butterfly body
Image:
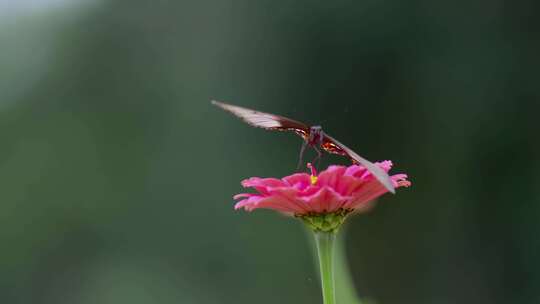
column 313, row 136
column 316, row 136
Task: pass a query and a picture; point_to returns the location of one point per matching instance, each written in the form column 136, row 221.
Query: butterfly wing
column 331, row 145
column 265, row 120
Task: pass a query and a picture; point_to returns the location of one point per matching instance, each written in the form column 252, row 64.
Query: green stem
column 325, row 250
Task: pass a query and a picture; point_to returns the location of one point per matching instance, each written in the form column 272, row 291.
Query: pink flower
column 338, row 189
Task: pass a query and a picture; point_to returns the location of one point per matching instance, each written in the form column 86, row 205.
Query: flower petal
column 355, row 170
column 298, row 180
column 367, row 192
column 290, row 195
column 262, row 184
column 325, row 200
column 371, row 190
column 276, row 203
column 331, row 176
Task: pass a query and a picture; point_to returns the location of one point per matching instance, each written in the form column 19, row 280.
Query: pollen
column 313, row 179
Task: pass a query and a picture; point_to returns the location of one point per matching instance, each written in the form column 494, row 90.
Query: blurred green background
column 117, row 174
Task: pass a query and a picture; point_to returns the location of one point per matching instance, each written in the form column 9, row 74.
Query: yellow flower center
column 314, row 179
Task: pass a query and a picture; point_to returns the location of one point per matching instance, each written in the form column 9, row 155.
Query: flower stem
column 325, row 250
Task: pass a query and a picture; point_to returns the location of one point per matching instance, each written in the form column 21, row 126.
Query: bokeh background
column 117, row 174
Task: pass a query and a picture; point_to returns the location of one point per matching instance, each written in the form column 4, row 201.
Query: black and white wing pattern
column 331, row 145
column 265, row 120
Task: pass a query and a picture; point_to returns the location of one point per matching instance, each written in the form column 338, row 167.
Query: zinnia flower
column 323, row 200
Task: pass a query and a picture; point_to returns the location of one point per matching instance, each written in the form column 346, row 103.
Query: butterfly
column 313, row 136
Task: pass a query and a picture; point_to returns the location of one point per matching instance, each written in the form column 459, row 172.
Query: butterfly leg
column 301, row 156
column 317, row 159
